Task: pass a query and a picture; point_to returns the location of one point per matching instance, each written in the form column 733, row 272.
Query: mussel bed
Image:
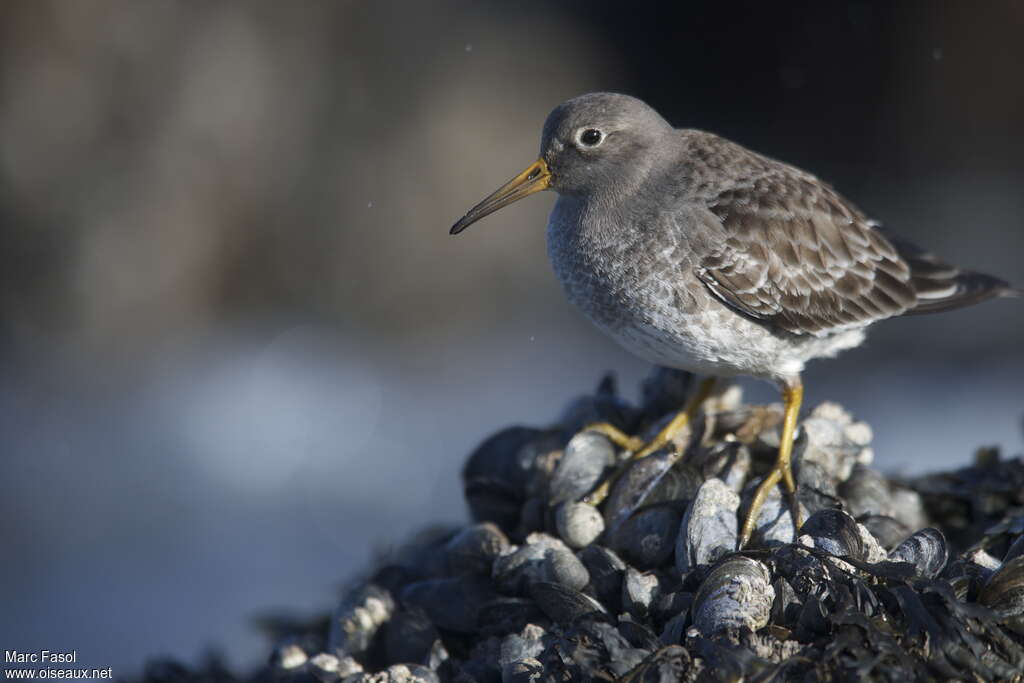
column 887, row 579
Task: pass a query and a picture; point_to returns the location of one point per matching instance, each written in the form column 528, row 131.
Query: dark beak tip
column 457, row 228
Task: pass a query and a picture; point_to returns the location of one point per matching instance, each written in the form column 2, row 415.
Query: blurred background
column 239, row 350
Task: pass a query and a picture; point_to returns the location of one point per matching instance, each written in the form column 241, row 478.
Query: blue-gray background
column 239, row 351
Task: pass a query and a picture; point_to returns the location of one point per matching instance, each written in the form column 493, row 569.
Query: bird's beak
column 534, row 179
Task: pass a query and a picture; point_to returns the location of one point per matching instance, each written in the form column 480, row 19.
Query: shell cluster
column 885, row 580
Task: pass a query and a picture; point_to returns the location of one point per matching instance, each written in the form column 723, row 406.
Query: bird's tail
column 942, row 287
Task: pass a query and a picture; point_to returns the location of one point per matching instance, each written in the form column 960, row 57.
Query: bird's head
column 599, row 142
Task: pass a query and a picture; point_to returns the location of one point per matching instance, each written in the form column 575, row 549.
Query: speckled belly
column 711, row 341
column 651, row 304
column 679, row 325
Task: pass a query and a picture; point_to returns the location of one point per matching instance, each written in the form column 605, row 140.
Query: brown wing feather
column 798, row 256
column 942, row 287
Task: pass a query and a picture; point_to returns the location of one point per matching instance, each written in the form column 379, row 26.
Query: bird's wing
column 942, row 287
column 799, row 257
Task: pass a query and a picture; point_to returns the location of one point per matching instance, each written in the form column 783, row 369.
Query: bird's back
column 797, row 255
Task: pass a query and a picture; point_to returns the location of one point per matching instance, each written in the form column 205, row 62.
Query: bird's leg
column 663, row 437
column 793, row 396
column 616, row 436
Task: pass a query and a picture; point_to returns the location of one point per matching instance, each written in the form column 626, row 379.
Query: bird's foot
column 636, row 446
column 616, row 436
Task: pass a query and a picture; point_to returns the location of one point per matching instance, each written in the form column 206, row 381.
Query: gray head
column 594, row 142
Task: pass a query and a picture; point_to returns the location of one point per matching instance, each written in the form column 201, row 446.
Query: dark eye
column 591, row 137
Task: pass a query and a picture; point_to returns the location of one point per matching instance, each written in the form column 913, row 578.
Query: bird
column 696, row 253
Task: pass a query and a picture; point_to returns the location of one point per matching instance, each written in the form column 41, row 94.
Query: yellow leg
column 679, row 422
column 792, row 396
column 663, row 437
column 616, row 436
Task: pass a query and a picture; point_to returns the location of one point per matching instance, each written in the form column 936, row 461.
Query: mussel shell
column 578, row 471
column 502, row 615
column 671, row 605
column 709, row 527
column 664, row 390
column 562, row 604
column 1016, row 549
column 473, row 549
column 602, row 406
column 737, row 593
column 825, row 440
column 907, row 507
column 1004, row 590
column 407, row 673
column 816, row 489
column 606, row 573
column 647, row 539
column 578, row 524
column 639, row 591
column 541, row 558
column 659, row 477
column 926, row 549
column 522, row 671
column 453, row 604
column 835, row 532
column 774, row 523
column 409, row 636
column 504, row 457
column 357, row 619
column 729, row 461
column 528, row 643
column 492, row 500
column 888, row 530
column 866, row 492
column 786, row 606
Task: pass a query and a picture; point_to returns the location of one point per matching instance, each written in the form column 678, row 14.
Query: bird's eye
column 591, row 137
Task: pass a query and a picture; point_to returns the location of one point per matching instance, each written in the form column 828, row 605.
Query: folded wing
column 799, row 257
